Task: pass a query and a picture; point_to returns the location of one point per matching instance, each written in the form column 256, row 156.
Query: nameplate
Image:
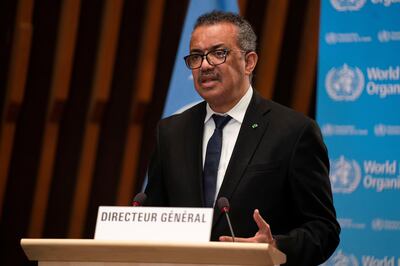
column 154, row 224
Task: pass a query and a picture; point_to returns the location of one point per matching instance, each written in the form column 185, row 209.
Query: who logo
column 380, row 130
column 347, row 5
column 345, row 175
column 341, row 259
column 384, row 36
column 344, row 83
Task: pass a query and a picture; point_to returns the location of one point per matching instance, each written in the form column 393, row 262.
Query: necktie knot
column 220, row 121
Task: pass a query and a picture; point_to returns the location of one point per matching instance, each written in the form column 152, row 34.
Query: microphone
column 223, row 205
column 139, row 199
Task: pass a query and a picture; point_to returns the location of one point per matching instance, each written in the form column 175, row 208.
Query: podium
column 91, row 252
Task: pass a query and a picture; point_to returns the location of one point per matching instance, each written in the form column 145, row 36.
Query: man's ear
column 251, row 59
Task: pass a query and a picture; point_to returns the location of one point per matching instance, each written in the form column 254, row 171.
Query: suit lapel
column 193, row 142
column 254, row 125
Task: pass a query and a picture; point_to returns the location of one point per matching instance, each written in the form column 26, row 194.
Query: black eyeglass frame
column 225, row 50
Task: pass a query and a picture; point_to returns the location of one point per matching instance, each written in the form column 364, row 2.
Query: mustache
column 208, row 75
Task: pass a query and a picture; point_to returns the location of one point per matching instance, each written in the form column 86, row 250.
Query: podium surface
column 90, row 252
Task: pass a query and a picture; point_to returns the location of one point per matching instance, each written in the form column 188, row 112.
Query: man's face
column 222, row 86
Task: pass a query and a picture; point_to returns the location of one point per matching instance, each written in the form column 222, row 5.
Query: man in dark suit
column 271, row 161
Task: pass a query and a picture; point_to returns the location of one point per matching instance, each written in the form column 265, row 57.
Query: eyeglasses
column 214, row 58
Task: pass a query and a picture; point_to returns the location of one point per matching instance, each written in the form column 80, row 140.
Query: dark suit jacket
column 279, row 166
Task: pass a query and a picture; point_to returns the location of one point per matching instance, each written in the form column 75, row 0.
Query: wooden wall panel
column 8, row 14
column 59, row 91
column 73, row 121
column 242, row 7
column 23, row 166
column 15, row 89
column 100, row 96
column 169, row 38
column 270, row 46
column 304, row 79
column 143, row 87
column 289, row 56
column 116, row 113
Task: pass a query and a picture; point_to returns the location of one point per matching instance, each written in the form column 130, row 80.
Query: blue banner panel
column 358, row 109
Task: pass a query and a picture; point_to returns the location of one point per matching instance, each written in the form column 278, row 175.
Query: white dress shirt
column 229, row 133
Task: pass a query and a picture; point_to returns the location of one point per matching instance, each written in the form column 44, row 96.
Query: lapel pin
column 254, row 126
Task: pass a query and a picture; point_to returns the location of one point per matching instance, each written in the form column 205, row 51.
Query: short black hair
column 247, row 39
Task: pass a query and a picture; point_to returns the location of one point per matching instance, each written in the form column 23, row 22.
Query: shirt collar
column 237, row 112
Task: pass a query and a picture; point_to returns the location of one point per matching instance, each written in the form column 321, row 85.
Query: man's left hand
column 263, row 235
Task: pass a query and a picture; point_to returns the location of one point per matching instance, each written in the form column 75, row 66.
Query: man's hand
column 263, row 235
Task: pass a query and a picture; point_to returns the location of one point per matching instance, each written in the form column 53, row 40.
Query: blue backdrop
column 358, row 109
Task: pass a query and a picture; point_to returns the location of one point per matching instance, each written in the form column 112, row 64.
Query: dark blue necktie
column 211, row 163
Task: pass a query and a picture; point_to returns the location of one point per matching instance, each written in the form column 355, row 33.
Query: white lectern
column 90, row 252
